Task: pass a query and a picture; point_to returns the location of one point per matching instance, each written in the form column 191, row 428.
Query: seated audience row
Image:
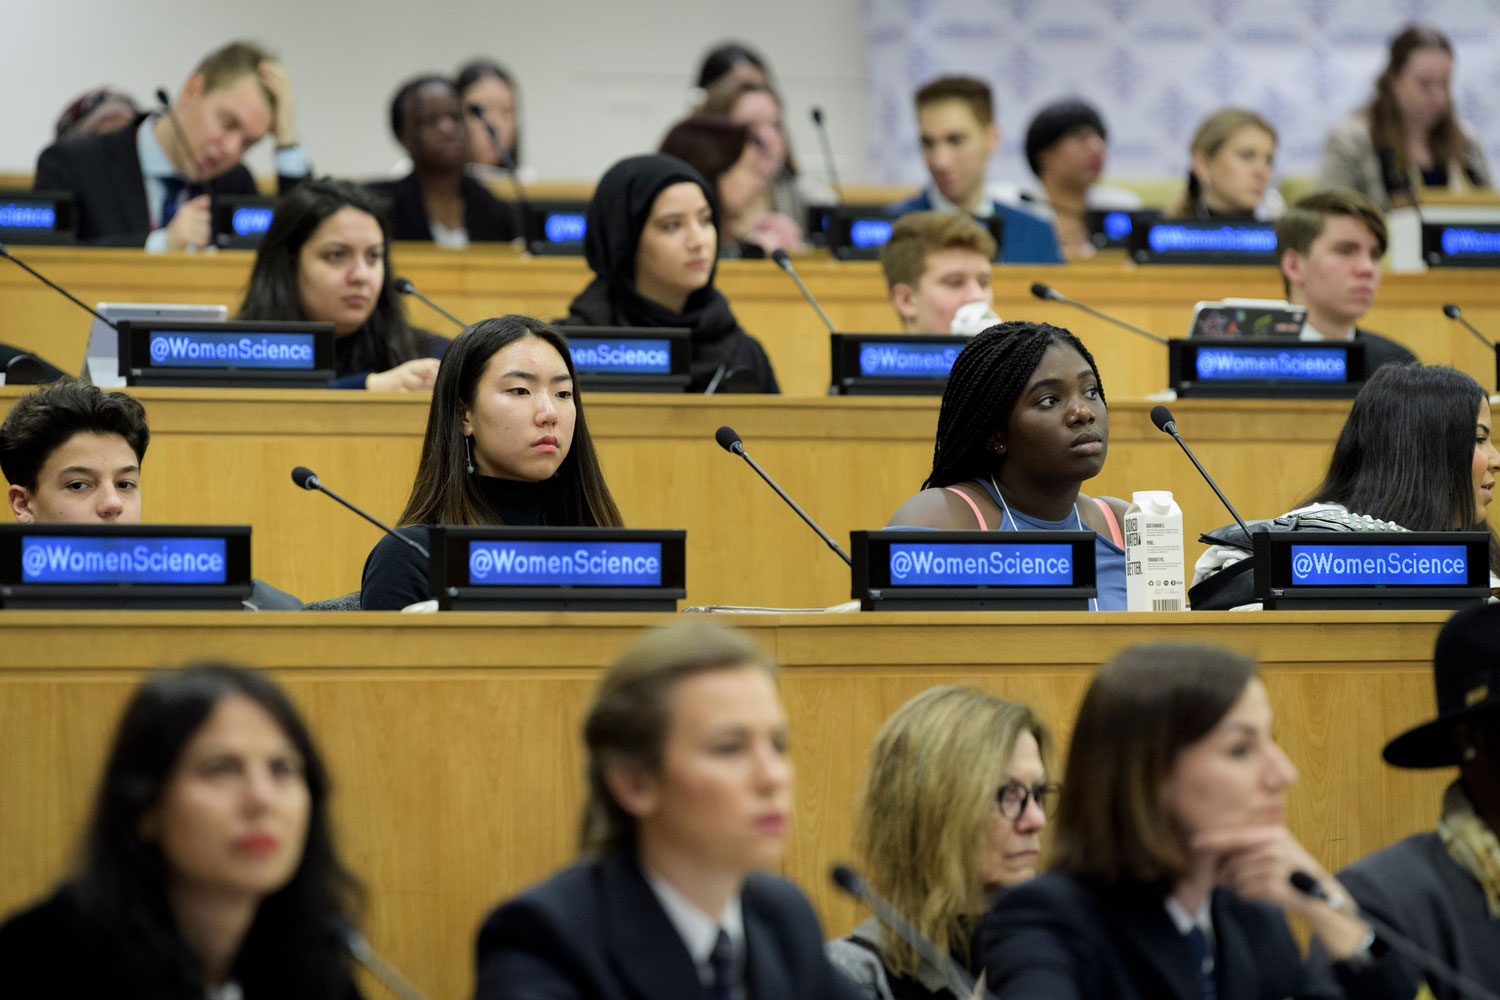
column 209, row 867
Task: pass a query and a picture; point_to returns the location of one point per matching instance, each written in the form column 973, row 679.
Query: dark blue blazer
column 596, row 930
column 1058, row 938
column 1025, row 240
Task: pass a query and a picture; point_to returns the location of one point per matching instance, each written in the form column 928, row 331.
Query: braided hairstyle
column 987, row 379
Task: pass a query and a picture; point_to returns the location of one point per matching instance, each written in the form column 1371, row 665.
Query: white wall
column 600, row 80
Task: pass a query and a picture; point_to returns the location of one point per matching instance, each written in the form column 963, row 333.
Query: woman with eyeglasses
column 955, row 799
column 1171, row 863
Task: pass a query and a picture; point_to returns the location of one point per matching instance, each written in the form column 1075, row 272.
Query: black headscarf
column 616, row 216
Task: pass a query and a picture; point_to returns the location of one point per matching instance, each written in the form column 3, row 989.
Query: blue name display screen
column 627, row 357
column 212, row 349
column 96, row 559
column 1380, row 565
column 565, row 564
column 867, row 233
column 250, row 221
column 565, row 227
column 981, row 564
column 1169, row 237
column 27, row 215
column 891, row 359
column 1470, row 241
column 1247, row 363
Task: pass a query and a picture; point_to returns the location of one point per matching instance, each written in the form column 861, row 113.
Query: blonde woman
column 1230, row 177
column 954, row 803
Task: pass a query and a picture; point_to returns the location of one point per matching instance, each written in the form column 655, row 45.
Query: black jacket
column 486, row 218
column 109, row 191
column 596, row 930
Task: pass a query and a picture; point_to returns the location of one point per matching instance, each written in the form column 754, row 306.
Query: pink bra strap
column 972, row 506
column 1114, row 524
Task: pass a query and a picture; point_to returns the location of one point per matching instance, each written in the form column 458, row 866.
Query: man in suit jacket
column 599, row 930
column 150, row 184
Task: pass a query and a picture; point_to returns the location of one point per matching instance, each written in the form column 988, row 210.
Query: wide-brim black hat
column 1466, row 679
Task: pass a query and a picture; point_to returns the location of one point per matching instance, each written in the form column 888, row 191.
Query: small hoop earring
column 469, row 451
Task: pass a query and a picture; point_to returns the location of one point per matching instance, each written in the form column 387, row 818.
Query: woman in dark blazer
column 689, row 792
column 1172, row 863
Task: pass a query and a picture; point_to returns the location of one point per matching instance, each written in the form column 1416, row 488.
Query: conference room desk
column 453, row 740
column 489, row 281
column 224, row 456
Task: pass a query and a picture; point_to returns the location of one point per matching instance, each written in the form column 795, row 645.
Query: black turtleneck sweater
column 396, row 574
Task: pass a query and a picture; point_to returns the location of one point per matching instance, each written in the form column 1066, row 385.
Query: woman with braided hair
column 1023, row 424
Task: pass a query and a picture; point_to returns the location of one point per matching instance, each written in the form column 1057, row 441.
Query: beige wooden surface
column 453, row 739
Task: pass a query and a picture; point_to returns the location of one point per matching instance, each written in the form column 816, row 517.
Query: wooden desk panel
column 489, row 281
column 453, row 739
column 225, row 456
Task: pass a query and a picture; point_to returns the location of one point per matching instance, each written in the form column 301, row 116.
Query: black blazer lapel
column 643, row 945
column 1156, row 952
column 766, row 974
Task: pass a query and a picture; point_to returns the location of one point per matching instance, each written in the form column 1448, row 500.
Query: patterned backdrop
column 1155, row 68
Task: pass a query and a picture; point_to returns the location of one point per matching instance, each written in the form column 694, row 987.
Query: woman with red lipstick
column 1415, row 454
column 326, row 259
column 208, row 868
column 690, row 786
column 1023, row 424
column 652, row 243
column 438, row 200
column 954, row 803
column 506, row 443
column 1171, row 861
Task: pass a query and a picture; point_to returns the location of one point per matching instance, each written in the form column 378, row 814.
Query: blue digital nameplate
column 539, row 569
column 1384, row 569
column 885, row 364
column 114, row 565
column 36, row 217
column 1201, row 241
column 556, row 227
column 916, row 569
column 1265, row 367
column 1461, row 245
column 233, row 353
column 1111, row 230
column 631, row 359
column 239, row 221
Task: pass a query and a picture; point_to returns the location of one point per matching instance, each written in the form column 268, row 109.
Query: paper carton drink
column 1155, row 572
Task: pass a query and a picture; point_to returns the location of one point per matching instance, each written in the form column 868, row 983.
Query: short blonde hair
column 934, row 771
column 903, row 258
column 1214, row 131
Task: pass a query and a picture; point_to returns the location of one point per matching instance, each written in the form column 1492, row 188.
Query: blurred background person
column 1067, row 147
column 935, row 264
column 1230, row 176
column 728, row 157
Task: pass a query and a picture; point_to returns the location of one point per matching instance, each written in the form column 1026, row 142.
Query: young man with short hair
column 149, row 184
column 1329, row 245
column 934, row 263
column 956, row 121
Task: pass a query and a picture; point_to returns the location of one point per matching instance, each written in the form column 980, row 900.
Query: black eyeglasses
column 1013, row 798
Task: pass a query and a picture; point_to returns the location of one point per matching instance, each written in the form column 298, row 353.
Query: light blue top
column 1109, row 558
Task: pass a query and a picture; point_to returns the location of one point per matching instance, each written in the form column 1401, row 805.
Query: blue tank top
column 1109, row 558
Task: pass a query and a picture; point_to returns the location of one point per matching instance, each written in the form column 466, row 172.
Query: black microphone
column 506, row 163
column 5, row 252
column 1398, row 942
column 833, row 177
column 1162, row 418
column 194, row 174
column 405, row 287
column 1451, row 311
column 1050, row 294
column 308, row 480
column 959, row 981
column 730, row 442
column 785, row 263
column 360, row 949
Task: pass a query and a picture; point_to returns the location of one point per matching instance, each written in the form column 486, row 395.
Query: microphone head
column 1306, row 884
column 727, row 438
column 161, row 96
column 403, row 286
column 1162, row 418
column 305, row 478
column 817, row 115
column 782, row 260
column 1043, row 292
column 1451, row 311
column 848, row 879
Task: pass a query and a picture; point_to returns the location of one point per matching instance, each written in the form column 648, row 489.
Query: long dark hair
column 290, row 949
column 444, row 493
column 385, row 340
column 1406, row 451
column 475, row 70
column 1445, row 139
column 983, row 386
column 724, row 57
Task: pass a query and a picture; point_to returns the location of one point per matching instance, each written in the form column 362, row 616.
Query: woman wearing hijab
column 651, row 242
